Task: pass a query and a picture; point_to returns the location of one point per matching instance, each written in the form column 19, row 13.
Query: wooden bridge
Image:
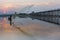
column 52, row 16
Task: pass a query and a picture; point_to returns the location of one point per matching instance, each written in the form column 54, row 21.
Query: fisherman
column 10, row 19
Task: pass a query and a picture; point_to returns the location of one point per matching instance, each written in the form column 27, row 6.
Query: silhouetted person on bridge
column 10, row 19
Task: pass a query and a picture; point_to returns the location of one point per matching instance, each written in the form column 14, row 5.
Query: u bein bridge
column 52, row 16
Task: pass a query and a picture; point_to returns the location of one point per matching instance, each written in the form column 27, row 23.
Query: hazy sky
column 30, row 1
column 43, row 4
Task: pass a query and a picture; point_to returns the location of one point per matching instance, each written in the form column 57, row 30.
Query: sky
column 42, row 4
column 29, row 1
column 25, row 2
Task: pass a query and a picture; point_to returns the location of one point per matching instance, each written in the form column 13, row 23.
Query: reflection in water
column 10, row 19
column 28, row 29
column 5, row 27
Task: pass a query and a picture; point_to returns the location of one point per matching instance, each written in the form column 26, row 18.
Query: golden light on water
column 5, row 26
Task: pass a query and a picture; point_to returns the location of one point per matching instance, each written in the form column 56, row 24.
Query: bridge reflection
column 48, row 18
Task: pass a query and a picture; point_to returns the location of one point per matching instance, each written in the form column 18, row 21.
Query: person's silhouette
column 10, row 19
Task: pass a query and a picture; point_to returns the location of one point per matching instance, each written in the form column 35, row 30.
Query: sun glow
column 6, row 7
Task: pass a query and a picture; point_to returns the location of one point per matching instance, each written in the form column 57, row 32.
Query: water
column 28, row 29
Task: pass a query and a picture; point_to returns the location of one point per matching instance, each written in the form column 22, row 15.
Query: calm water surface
column 28, row 29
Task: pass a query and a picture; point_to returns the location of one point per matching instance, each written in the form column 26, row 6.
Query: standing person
column 10, row 19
